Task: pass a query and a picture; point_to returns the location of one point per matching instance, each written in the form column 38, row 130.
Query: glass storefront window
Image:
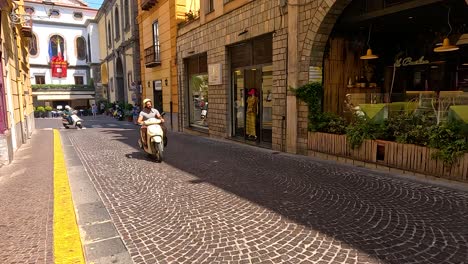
column 198, row 92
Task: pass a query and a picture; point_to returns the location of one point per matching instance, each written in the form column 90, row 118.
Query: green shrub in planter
column 451, row 141
column 48, row 108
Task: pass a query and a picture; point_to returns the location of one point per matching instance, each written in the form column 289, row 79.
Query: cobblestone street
column 216, row 201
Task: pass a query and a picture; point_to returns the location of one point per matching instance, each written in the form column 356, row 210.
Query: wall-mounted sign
column 408, row 61
column 215, row 74
column 157, row 85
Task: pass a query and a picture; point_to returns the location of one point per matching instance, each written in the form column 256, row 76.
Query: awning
column 53, row 97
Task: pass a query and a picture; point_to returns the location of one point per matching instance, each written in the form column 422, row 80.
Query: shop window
column 56, row 46
column 81, row 48
column 77, row 15
column 117, row 24
column 33, row 46
column 40, row 79
column 197, row 74
column 79, row 80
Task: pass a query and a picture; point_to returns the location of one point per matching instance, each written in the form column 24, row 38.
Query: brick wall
column 258, row 17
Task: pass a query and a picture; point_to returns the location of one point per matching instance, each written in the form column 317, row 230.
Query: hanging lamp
column 446, row 46
column 369, row 55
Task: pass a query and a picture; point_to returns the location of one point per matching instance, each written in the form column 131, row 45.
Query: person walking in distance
column 94, row 109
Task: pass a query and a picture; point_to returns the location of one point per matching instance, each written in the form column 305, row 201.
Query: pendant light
column 369, row 55
column 446, row 46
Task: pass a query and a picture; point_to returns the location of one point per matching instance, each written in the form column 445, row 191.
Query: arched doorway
column 119, row 82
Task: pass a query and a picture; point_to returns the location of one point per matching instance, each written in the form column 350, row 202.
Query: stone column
column 293, row 76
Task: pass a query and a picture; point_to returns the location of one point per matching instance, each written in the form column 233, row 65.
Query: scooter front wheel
column 159, row 148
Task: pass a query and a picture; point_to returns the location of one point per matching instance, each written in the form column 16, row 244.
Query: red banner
column 58, row 67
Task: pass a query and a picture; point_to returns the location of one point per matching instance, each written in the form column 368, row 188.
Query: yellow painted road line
column 67, row 242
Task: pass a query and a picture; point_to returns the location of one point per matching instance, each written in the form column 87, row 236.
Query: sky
column 94, row 3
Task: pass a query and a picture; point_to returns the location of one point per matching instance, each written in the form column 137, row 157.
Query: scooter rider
column 67, row 113
column 146, row 113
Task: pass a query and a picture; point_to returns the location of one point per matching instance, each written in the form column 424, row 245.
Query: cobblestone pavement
column 26, row 203
column 215, row 201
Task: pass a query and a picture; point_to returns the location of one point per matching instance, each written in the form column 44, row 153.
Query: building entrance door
column 158, row 96
column 252, row 104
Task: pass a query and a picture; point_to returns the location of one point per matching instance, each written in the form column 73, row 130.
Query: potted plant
column 48, row 110
column 40, row 111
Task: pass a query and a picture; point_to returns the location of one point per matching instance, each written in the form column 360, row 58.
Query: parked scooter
column 154, row 139
column 76, row 121
column 118, row 113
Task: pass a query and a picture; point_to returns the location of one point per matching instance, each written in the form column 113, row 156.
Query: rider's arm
column 159, row 116
column 140, row 120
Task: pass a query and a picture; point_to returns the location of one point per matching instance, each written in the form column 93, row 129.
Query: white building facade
column 64, row 35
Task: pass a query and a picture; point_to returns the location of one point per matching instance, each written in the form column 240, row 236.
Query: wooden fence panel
column 403, row 156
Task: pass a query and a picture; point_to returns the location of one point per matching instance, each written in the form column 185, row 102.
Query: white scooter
column 76, row 121
column 154, row 139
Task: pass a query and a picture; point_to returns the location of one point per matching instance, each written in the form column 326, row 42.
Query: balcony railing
column 148, row 4
column 152, row 56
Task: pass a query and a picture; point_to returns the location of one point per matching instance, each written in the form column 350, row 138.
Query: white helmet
column 67, row 107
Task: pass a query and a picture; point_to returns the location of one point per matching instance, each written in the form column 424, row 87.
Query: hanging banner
column 59, row 68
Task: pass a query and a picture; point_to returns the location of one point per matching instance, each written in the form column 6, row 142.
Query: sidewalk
column 26, row 203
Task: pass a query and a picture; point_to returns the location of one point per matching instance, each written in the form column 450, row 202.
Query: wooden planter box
column 391, row 154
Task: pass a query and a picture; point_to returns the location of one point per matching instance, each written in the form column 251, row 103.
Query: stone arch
column 317, row 33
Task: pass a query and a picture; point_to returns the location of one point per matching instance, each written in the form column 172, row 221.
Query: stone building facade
column 300, row 31
column 120, row 55
column 294, row 26
column 212, row 34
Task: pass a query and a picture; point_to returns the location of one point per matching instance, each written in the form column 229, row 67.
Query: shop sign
column 408, row 61
column 215, row 74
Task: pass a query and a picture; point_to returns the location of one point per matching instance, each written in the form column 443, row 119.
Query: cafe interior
column 386, row 57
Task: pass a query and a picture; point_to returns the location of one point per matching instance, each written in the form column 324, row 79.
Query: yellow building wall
column 165, row 12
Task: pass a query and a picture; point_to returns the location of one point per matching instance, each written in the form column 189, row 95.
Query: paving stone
column 214, row 201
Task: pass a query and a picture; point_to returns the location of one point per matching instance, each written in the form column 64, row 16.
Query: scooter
column 154, row 139
column 76, row 121
column 119, row 114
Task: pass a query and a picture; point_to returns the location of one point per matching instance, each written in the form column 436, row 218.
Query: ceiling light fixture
column 369, row 55
column 446, row 46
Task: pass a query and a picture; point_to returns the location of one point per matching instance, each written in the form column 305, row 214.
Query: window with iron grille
column 152, row 54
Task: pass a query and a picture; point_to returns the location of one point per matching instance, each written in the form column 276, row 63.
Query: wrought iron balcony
column 152, row 56
column 148, row 4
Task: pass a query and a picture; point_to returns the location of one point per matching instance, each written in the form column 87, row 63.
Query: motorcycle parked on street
column 154, row 139
column 76, row 121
